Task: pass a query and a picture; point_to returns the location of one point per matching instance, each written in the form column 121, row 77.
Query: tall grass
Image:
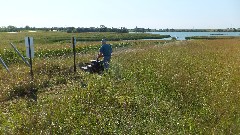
column 188, row 87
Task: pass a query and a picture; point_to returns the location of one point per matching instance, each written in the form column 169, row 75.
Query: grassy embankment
column 53, row 57
column 49, row 44
column 188, row 87
column 212, row 37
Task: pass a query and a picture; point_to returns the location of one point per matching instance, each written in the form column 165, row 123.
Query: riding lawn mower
column 96, row 66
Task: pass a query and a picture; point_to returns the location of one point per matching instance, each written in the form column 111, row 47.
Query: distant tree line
column 200, row 30
column 142, row 30
column 65, row 29
column 11, row 28
column 103, row 28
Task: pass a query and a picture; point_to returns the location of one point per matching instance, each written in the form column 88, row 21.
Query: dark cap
column 104, row 40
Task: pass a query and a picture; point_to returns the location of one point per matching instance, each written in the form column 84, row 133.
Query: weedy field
column 153, row 87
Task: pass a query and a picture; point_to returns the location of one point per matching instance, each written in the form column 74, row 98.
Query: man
column 105, row 52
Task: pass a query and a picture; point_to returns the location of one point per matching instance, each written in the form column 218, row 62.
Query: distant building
column 139, row 29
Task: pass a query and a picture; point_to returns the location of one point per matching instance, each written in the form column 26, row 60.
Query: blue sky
column 155, row 14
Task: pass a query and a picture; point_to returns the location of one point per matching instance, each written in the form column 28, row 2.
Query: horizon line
column 123, row 27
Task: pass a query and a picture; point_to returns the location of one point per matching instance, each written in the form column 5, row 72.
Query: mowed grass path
column 183, row 87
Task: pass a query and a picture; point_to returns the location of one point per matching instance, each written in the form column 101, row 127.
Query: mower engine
column 95, row 66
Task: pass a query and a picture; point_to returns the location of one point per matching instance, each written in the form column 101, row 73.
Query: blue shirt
column 106, row 49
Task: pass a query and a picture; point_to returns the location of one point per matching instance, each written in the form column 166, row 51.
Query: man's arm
column 100, row 55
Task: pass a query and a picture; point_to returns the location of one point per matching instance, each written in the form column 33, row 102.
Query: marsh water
column 183, row 35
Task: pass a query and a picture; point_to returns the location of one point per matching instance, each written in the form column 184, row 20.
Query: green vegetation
column 153, row 87
column 210, row 37
column 48, row 44
column 44, row 38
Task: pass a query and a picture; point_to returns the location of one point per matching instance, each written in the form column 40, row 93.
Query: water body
column 182, row 35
